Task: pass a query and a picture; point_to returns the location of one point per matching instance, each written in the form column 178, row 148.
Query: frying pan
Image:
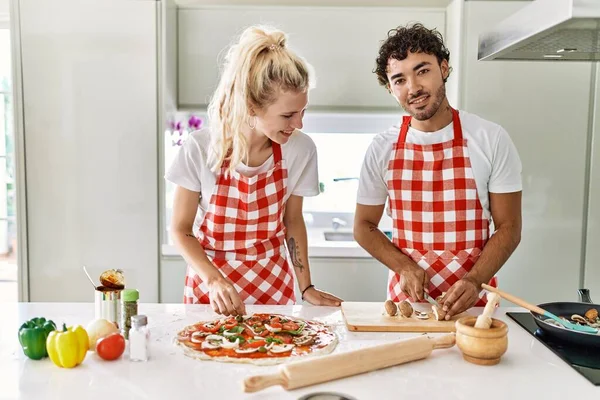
column 566, row 309
column 574, row 334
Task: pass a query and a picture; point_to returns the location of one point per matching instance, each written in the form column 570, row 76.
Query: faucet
column 337, row 222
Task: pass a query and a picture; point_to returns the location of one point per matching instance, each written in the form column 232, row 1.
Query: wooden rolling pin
column 485, row 319
column 327, row 368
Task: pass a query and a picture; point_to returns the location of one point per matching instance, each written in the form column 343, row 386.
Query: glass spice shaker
column 139, row 338
column 129, row 308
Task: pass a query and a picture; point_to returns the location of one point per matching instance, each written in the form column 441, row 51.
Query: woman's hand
column 224, row 299
column 317, row 297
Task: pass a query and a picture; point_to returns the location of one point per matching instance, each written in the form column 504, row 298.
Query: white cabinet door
column 544, row 108
column 89, row 71
column 340, row 43
column 592, row 259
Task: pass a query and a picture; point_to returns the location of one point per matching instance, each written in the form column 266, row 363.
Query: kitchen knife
column 431, row 300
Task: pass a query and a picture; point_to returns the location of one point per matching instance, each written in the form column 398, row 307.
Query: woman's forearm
column 297, row 243
column 195, row 256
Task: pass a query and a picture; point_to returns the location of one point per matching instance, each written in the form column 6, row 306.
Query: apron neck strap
column 276, row 152
column 406, row 124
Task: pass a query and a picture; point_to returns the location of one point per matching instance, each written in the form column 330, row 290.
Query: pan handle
column 584, row 296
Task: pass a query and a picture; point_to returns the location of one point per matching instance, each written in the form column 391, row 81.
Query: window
column 8, row 230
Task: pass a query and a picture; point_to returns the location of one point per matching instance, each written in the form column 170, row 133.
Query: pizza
column 260, row 339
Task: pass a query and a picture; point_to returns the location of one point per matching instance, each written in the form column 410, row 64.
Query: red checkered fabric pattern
column 437, row 217
column 243, row 235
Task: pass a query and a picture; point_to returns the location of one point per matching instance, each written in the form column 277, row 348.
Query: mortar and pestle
column 483, row 339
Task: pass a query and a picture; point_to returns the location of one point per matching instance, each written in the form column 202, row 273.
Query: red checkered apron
column 438, row 219
column 243, row 235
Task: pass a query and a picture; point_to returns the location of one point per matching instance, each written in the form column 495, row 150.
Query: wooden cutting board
column 369, row 317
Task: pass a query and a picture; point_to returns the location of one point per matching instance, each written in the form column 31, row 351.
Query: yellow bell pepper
column 67, row 348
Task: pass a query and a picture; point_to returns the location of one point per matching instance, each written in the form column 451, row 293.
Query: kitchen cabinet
column 89, row 96
column 544, row 108
column 341, row 43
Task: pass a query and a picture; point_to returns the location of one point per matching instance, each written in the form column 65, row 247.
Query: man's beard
column 432, row 107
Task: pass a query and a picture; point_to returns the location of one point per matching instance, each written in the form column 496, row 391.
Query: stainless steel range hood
column 558, row 30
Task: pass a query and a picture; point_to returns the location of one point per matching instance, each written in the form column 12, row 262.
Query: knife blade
column 431, row 300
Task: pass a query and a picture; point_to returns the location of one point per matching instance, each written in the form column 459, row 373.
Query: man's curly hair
column 414, row 38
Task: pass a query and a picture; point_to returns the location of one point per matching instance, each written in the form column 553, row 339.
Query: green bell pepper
column 33, row 335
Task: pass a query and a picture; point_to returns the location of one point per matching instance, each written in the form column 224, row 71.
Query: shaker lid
column 130, row 295
column 139, row 320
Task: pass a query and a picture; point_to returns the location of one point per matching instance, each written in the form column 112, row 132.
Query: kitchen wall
column 533, row 101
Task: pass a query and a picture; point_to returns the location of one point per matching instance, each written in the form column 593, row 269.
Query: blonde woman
column 249, row 171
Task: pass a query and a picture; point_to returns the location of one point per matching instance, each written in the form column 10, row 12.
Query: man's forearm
column 370, row 238
column 495, row 253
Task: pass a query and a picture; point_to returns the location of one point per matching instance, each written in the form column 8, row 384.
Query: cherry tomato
column 258, row 343
column 290, row 326
column 110, row 347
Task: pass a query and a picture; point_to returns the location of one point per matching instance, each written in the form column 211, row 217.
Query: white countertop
column 528, row 370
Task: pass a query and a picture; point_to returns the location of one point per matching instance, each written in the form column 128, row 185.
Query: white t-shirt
column 191, row 171
column 494, row 159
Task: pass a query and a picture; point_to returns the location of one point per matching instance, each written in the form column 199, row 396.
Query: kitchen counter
column 528, row 369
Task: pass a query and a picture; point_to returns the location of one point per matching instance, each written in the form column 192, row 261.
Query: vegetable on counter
column 99, row 328
column 33, row 335
column 67, row 348
column 110, row 347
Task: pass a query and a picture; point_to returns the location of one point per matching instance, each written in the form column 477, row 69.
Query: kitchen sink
column 338, row 236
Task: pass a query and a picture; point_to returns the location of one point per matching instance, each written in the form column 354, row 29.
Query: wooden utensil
column 539, row 310
column 369, row 317
column 327, row 368
column 484, row 321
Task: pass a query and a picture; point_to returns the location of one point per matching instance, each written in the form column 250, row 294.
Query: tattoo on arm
column 373, row 228
column 296, row 262
column 190, row 235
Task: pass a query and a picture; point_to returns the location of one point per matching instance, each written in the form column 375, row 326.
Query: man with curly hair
column 447, row 175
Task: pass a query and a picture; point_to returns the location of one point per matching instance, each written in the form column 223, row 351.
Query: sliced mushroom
column 196, row 335
column 282, row 348
column 579, row 318
column 421, row 315
column 438, row 313
column 304, row 340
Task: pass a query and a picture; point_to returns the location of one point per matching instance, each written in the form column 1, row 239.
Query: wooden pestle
column 484, row 321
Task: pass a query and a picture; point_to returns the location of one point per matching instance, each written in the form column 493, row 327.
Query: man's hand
column 413, row 281
column 460, row 297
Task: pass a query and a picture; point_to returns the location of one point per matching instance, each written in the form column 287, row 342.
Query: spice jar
column 129, row 308
column 139, row 338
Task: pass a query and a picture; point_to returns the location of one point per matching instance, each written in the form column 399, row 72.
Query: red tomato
column 276, row 325
column 256, row 344
column 214, row 329
column 287, row 339
column 110, row 347
column 290, row 326
column 229, row 325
